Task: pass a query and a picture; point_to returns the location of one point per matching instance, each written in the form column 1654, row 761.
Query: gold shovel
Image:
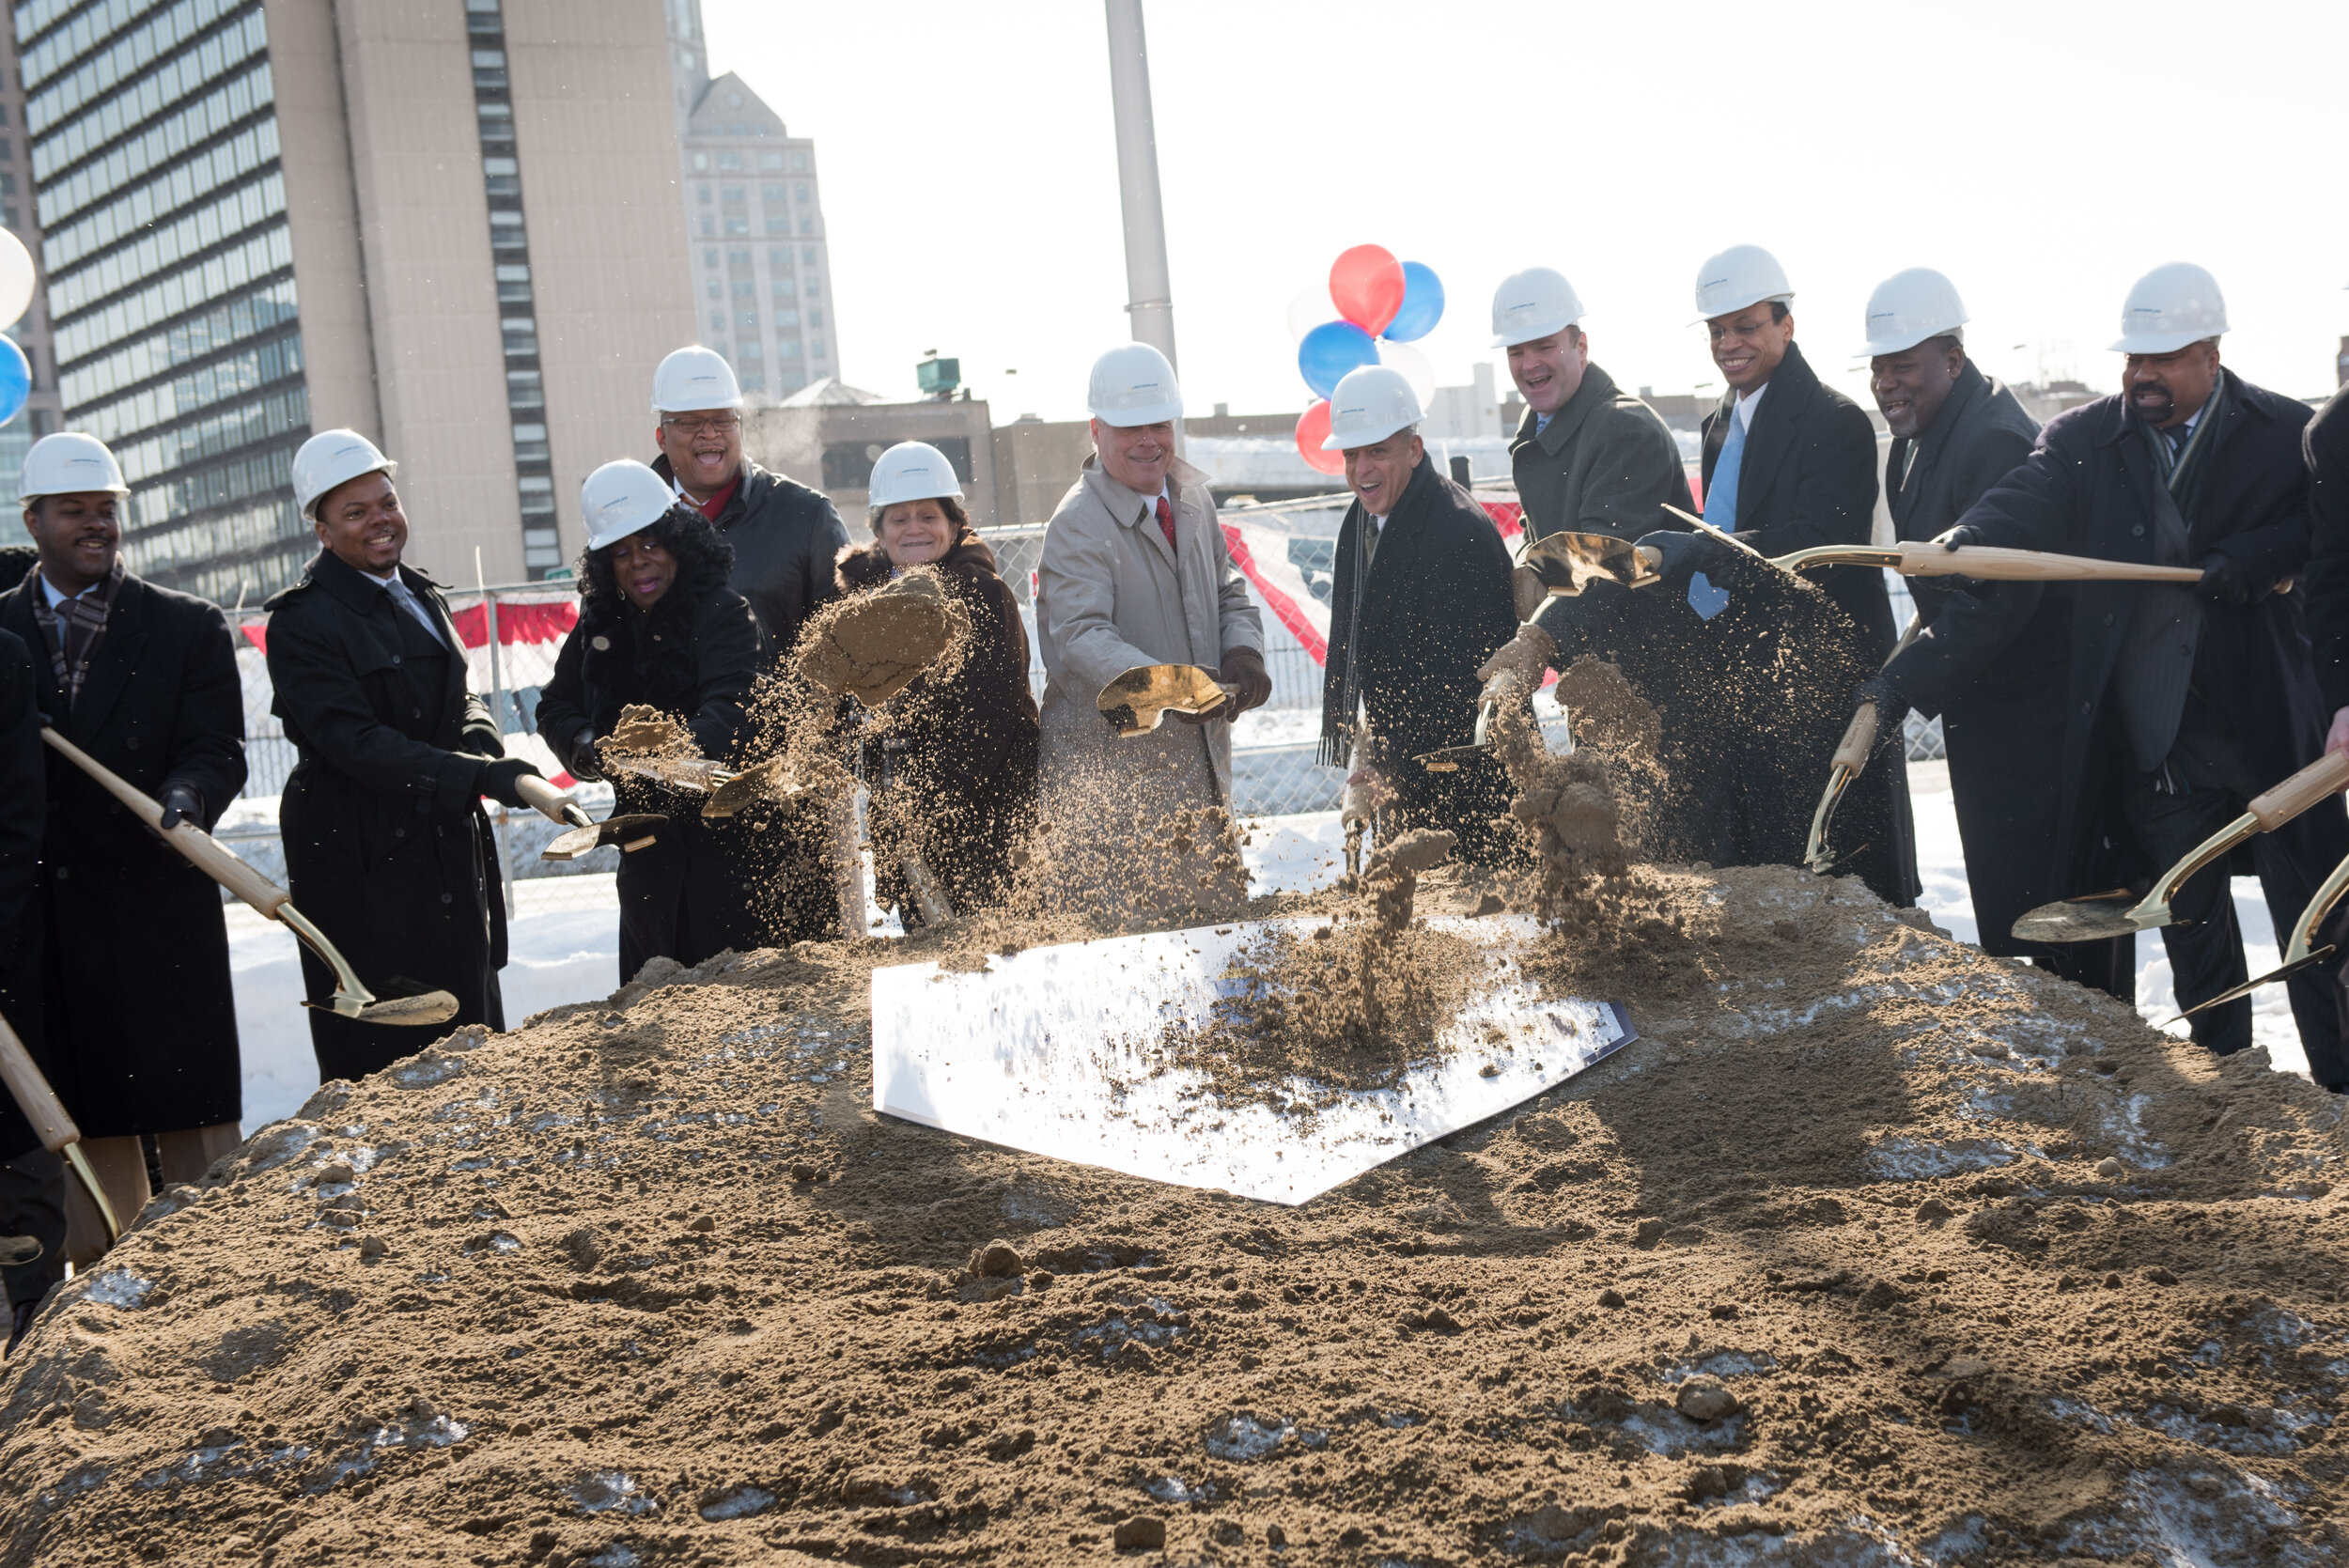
column 58, row 1133
column 217, row 861
column 2301, row 952
column 1851, row 756
column 586, row 834
column 1136, row 700
column 2099, row 915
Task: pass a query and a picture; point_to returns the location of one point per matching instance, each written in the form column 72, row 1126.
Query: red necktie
column 1166, row 521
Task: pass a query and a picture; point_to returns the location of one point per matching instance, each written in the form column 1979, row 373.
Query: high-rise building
column 754, row 226
column 31, row 333
column 438, row 222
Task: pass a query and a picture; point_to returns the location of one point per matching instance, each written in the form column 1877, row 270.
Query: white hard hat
column 69, row 463
column 622, row 497
column 1909, row 307
column 2174, row 304
column 1132, row 384
column 695, row 378
column 1370, row 404
column 912, row 471
column 1535, row 304
column 334, row 458
column 1739, row 276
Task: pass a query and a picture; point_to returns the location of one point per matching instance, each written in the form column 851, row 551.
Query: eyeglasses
column 716, row 426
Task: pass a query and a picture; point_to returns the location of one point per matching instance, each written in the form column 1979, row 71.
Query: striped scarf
column 74, row 628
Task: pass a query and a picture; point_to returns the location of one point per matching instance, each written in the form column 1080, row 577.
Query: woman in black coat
column 659, row 628
column 950, row 764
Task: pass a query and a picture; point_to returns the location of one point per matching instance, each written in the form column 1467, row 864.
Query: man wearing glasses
column 784, row 535
column 785, row 538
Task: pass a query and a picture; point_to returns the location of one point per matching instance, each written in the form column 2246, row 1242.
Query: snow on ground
column 564, row 942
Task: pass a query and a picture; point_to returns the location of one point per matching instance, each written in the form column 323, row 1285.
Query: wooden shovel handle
column 1996, row 565
column 2327, row 775
column 1859, row 738
column 205, row 852
column 33, row 1094
column 550, row 802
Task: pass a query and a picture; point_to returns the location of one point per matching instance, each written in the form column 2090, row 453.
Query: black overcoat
column 1808, row 478
column 387, row 848
column 1436, row 605
column 694, row 656
column 135, row 933
column 24, row 799
column 2088, row 489
column 1989, row 661
column 963, row 750
column 2325, row 446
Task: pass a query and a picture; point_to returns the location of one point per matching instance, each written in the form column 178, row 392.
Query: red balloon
column 1366, row 284
column 1313, row 429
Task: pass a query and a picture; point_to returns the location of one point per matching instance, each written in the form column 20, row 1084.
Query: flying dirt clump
column 1570, row 807
column 873, row 646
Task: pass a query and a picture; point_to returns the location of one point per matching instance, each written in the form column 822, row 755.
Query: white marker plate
column 1045, row 1051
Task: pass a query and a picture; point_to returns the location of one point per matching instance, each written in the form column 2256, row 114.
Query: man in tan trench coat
column 1135, row 571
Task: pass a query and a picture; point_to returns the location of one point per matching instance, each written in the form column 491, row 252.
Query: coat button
column 61, row 874
column 2138, row 529
column 415, row 713
column 2107, row 618
column 399, row 832
column 2088, row 707
column 132, row 743
column 448, row 898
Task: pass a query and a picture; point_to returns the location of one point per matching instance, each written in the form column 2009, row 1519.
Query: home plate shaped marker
column 1054, row 1050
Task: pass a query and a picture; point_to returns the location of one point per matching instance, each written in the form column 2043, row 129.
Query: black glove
column 1892, row 708
column 1244, row 668
column 499, row 777
column 181, row 803
column 1957, row 538
column 2223, row 580
column 581, row 758
column 1685, row 550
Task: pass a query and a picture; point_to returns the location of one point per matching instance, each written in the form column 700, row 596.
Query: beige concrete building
column 444, row 223
column 830, row 434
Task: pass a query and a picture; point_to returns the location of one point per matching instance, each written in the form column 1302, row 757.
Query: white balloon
column 1310, row 309
column 16, row 278
column 1415, row 369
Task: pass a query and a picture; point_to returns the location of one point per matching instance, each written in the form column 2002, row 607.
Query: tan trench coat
column 1110, row 595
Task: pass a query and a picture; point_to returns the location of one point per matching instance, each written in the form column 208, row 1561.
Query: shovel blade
column 762, row 783
column 1136, row 700
column 1569, row 563
column 2286, row 972
column 2092, row 918
column 430, row 1007
column 1448, row 760
column 621, row 831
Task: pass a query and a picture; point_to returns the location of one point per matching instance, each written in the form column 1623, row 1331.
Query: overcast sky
column 2044, row 154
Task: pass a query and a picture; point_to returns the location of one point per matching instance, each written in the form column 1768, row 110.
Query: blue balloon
column 16, row 380
column 1422, row 307
column 1331, row 349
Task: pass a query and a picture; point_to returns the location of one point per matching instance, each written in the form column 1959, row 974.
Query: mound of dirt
column 1873, row 1249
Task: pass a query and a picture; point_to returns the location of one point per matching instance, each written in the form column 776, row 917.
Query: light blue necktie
column 1720, row 510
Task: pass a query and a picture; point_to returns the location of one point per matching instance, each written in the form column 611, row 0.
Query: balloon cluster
column 16, row 297
column 1380, row 306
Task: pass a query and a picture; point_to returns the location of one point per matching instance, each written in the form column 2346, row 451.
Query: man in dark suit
column 145, row 681
column 1421, row 600
column 387, row 849
column 2182, row 703
column 786, row 536
column 1990, row 656
column 1789, row 464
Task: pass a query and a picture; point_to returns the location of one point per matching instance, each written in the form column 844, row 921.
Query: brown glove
column 1244, row 668
column 1516, row 670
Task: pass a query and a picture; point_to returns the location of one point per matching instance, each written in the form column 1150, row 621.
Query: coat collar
column 110, row 668
column 1793, row 387
column 1971, row 387
column 1128, row 507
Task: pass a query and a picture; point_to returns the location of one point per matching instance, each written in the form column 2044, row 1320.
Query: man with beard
column 1990, row 657
column 785, row 538
column 1421, row 599
column 2183, row 702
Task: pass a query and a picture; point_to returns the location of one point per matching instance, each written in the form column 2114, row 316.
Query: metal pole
column 1148, row 290
column 497, row 706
